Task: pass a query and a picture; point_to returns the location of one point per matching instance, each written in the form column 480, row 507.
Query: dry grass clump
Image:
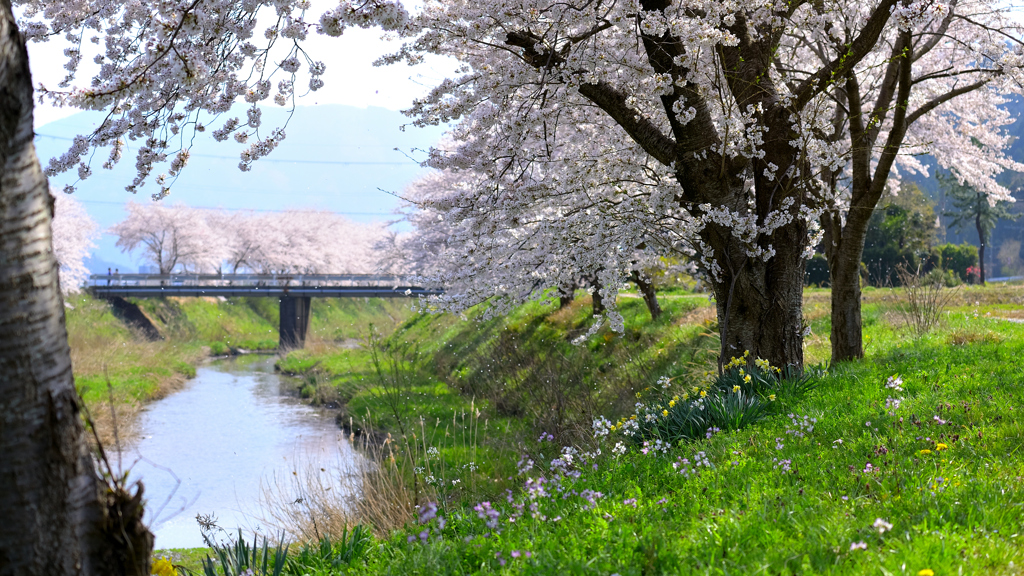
column 702, row 315
column 962, row 337
column 371, row 489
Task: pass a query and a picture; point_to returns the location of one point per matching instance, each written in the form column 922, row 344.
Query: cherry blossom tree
column 935, row 85
column 171, row 237
column 510, row 259
column 74, row 232
column 751, row 119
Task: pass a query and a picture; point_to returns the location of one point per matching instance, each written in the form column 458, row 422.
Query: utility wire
column 278, row 160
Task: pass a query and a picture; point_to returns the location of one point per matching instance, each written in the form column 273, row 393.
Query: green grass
column 824, row 511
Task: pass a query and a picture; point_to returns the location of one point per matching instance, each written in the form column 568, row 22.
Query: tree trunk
column 58, row 518
column 650, row 296
column 981, row 248
column 760, row 304
column 844, row 275
column 565, row 296
column 595, row 283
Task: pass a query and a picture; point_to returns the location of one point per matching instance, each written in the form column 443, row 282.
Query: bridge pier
column 294, row 312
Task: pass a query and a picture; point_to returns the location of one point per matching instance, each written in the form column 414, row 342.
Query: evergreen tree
column 972, row 205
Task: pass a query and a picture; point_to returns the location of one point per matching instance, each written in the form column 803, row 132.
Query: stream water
column 207, row 448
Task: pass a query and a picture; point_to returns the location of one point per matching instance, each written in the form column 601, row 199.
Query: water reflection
column 206, row 448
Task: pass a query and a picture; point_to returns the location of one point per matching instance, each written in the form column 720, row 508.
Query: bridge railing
column 240, row 280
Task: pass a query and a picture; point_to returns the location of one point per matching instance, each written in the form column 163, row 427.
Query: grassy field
column 849, row 477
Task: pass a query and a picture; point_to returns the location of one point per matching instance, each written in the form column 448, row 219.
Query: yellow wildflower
column 742, row 372
column 695, row 389
column 703, row 393
column 940, row 446
column 747, row 378
column 685, row 395
column 926, row 572
column 771, row 397
column 675, row 398
column 925, row 451
column 671, row 403
column 163, row 567
column 633, row 417
column 746, row 353
column 664, row 412
column 736, row 388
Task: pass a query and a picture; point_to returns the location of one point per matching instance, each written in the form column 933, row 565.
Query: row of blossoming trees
column 178, row 238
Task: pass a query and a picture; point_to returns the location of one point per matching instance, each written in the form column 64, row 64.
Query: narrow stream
column 206, row 448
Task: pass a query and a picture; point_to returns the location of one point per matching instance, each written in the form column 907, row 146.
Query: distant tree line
column 177, row 238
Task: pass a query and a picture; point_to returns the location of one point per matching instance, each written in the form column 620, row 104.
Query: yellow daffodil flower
column 664, row 412
column 703, row 393
column 736, row 388
column 163, row 567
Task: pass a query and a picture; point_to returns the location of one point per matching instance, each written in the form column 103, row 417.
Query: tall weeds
column 921, row 301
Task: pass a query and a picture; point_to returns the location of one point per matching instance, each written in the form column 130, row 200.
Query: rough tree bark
column 58, row 517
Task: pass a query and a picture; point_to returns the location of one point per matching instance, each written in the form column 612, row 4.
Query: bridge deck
column 265, row 285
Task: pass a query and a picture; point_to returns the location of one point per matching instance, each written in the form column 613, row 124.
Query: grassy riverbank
column 850, row 477
column 115, row 363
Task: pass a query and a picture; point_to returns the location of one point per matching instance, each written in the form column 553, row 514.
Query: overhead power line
column 311, row 210
column 280, row 160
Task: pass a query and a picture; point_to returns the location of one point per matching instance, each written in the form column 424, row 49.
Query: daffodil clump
column 674, row 410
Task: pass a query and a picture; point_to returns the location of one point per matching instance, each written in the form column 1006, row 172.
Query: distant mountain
column 338, row 158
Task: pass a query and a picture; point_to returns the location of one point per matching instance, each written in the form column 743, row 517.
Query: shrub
column 956, row 258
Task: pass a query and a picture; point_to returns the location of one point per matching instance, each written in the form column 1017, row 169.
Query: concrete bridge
column 293, row 291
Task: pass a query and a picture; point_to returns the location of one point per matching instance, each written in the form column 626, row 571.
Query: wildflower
column 926, row 572
column 925, row 451
column 858, row 546
column 747, row 378
column 881, row 525
column 771, row 397
column 940, row 446
column 488, row 514
column 619, row 449
column 163, row 567
column 703, row 393
column 630, row 502
column 736, row 388
column 428, row 512
column 671, row 404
